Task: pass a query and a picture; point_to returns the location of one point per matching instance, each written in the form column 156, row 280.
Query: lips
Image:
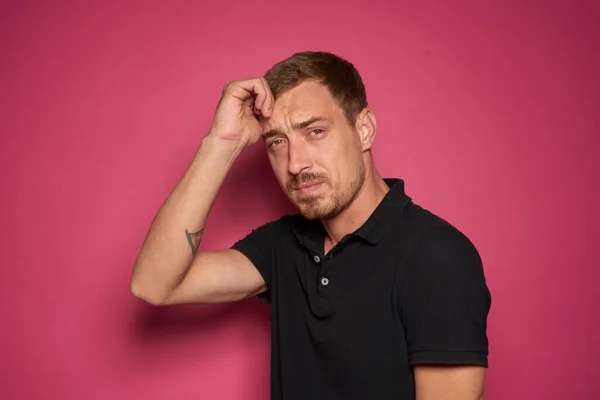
column 307, row 185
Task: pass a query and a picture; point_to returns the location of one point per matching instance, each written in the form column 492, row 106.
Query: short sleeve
column 444, row 301
column 257, row 246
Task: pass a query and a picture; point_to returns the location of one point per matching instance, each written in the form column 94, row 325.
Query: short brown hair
column 340, row 76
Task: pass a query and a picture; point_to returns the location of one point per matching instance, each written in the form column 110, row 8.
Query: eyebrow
column 296, row 125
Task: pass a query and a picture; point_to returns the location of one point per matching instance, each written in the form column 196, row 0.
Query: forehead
column 306, row 100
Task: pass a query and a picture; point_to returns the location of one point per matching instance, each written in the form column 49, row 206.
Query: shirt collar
column 312, row 233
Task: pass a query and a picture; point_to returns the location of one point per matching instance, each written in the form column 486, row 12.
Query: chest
column 339, row 312
column 354, row 279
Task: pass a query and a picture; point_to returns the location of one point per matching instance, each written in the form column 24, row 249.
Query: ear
column 366, row 126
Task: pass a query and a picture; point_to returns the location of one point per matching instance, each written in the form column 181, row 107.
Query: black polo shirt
column 405, row 288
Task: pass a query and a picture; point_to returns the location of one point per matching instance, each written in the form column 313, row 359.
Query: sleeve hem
column 248, row 255
column 449, row 358
column 266, row 295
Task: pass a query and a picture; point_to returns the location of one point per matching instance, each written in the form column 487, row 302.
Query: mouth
column 308, row 187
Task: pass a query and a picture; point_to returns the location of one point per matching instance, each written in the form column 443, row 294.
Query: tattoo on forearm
column 194, row 240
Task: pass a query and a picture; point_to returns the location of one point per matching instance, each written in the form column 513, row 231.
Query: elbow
column 141, row 292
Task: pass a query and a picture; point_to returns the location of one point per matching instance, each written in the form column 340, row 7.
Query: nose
column 298, row 157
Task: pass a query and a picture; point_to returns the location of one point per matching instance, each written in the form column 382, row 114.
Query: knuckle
column 227, row 86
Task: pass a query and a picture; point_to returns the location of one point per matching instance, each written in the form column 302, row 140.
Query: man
column 372, row 296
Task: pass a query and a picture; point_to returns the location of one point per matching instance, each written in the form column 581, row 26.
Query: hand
column 243, row 102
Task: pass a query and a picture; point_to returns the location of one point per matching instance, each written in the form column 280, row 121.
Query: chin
column 318, row 211
column 311, row 215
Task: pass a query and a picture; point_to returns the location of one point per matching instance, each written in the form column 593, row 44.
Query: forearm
column 175, row 233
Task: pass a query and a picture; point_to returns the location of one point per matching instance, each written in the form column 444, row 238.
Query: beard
column 330, row 204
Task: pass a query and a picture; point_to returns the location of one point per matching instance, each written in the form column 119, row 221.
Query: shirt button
column 317, row 259
column 324, row 281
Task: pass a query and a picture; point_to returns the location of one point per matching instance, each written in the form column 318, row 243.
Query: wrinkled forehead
column 301, row 103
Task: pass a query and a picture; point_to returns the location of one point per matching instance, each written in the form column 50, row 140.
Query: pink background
column 489, row 112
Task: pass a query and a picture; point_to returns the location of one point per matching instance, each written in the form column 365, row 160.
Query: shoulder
column 437, row 244
column 431, row 226
column 418, row 216
column 446, row 243
column 444, row 264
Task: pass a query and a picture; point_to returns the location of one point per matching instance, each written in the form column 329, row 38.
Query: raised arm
column 169, row 269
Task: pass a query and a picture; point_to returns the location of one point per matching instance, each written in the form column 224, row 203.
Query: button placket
column 323, row 280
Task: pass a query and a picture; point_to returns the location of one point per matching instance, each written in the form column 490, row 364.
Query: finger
column 254, row 90
column 267, row 109
column 250, row 90
column 261, row 100
column 271, row 97
column 264, row 98
column 270, row 102
column 249, row 105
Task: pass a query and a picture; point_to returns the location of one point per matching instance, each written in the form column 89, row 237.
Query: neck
column 357, row 213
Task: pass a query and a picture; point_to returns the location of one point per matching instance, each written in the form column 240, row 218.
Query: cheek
column 278, row 165
column 346, row 159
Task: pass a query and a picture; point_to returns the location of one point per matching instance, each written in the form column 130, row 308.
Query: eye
column 316, row 132
column 275, row 142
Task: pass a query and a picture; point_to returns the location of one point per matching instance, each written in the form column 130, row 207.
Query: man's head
column 319, row 136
